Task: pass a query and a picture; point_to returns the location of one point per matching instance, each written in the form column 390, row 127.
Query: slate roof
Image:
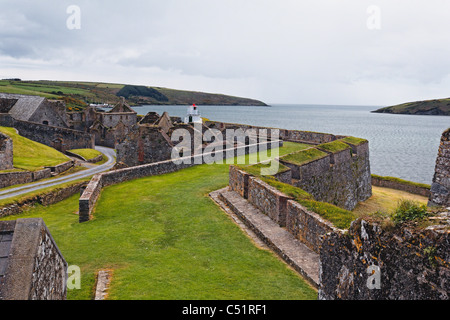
column 25, row 106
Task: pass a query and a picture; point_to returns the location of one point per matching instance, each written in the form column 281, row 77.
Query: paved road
column 108, row 152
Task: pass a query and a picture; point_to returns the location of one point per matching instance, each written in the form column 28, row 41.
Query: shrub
column 408, row 210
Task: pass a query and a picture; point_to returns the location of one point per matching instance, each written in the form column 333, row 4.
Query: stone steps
column 292, row 251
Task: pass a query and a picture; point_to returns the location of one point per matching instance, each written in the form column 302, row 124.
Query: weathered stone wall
column 36, row 269
column 370, row 263
column 52, row 113
column 238, row 181
column 268, row 199
column 60, row 168
column 12, row 178
column 380, row 182
column 342, row 178
column 440, row 188
column 89, row 197
column 144, row 144
column 6, row 120
column 307, row 226
column 6, row 152
column 61, row 139
column 51, row 197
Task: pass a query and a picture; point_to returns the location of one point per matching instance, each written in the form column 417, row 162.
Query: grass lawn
column 385, row 200
column 165, row 239
column 87, row 154
column 30, row 155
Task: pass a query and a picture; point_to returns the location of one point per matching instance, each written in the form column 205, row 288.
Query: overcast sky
column 353, row 52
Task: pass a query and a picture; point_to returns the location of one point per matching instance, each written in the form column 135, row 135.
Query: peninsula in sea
column 435, row 107
column 78, row 94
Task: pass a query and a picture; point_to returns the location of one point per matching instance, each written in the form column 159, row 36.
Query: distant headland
column 436, row 107
column 80, row 94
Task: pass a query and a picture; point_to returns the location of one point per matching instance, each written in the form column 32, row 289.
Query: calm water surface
column 403, row 146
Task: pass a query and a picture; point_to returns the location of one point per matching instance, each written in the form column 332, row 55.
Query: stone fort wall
column 440, row 188
column 6, row 152
column 369, row 263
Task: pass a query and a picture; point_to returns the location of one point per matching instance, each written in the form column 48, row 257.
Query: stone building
column 440, row 188
column 108, row 128
column 6, row 152
column 31, row 265
column 34, row 109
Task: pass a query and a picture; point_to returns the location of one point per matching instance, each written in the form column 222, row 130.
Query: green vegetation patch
column 256, row 169
column 405, row 182
column 334, row 146
column 128, row 91
column 339, row 217
column 30, row 155
column 354, row 140
column 408, row 210
column 87, row 154
column 304, row 156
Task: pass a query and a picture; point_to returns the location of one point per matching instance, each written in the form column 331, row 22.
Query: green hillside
column 440, row 107
column 30, row 155
column 79, row 94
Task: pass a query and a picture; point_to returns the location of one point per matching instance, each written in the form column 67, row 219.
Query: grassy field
column 385, row 200
column 166, row 239
column 87, row 154
column 30, row 155
column 78, row 94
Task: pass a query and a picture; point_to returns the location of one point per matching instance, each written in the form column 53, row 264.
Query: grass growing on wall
column 165, row 239
column 339, row 217
column 401, row 181
column 334, row 146
column 30, row 155
column 304, row 156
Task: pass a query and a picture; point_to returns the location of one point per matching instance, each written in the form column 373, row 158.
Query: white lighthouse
column 193, row 116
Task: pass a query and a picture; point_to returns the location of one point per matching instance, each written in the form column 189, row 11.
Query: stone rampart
column 268, row 200
column 341, row 178
column 440, row 188
column 62, row 139
column 385, row 182
column 307, row 226
column 370, row 263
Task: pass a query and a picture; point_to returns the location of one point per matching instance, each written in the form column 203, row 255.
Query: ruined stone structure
column 440, row 188
column 42, row 120
column 31, row 265
column 34, row 109
column 6, row 152
column 370, row 263
column 109, row 128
